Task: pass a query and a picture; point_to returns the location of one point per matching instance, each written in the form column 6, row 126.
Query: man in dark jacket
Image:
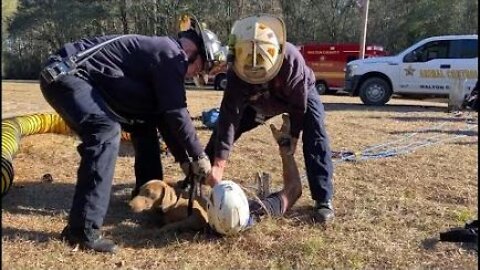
column 135, row 81
column 268, row 77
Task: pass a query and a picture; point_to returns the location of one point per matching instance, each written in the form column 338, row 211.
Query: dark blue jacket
column 141, row 77
column 286, row 92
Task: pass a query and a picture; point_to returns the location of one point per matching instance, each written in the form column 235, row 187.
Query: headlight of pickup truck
column 350, row 70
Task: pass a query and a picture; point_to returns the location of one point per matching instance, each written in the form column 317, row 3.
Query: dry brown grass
column 389, row 211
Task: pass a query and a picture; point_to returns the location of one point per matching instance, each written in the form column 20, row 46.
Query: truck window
column 464, row 48
column 435, row 50
column 432, row 50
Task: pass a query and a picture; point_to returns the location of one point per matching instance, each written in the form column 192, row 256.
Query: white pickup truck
column 430, row 67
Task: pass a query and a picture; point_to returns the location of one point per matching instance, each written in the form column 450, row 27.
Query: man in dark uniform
column 268, row 77
column 135, row 81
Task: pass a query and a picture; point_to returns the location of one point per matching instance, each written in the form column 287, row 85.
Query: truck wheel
column 375, row 91
column 221, row 82
column 321, row 87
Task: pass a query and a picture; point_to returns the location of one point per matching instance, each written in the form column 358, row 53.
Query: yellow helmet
column 258, row 47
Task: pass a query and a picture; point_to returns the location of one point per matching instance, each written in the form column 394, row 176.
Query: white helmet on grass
column 227, row 208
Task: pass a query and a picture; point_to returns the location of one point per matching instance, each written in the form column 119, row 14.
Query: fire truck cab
column 328, row 60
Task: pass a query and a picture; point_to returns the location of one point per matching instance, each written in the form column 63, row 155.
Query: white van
column 430, row 67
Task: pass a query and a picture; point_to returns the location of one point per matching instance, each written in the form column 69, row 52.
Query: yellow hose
column 13, row 129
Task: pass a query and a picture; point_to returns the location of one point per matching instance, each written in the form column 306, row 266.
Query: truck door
column 463, row 72
column 424, row 69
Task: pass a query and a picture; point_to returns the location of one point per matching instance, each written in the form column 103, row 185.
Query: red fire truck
column 328, row 62
column 216, row 77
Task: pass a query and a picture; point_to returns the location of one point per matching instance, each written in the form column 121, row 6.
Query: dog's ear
column 168, row 198
column 170, row 182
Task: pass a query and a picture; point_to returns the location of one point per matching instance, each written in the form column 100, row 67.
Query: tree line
column 32, row 29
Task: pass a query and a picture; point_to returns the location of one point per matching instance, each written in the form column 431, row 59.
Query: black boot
column 88, row 239
column 323, row 212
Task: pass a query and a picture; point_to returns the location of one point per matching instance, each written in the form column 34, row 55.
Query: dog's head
column 154, row 194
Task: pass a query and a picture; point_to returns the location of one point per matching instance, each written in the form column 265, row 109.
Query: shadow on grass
column 12, row 234
column 430, row 243
column 302, row 215
column 147, row 235
column 433, row 243
column 38, row 198
column 385, row 108
column 54, row 199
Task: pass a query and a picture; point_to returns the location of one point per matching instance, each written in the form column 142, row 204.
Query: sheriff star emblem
column 409, row 71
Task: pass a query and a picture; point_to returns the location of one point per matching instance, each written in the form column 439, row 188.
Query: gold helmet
column 257, row 48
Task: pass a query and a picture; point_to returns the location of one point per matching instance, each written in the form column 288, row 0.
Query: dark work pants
column 148, row 163
column 316, row 146
column 145, row 140
column 316, row 150
column 83, row 109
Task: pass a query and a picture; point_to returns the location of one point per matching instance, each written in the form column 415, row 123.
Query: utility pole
column 364, row 27
column 229, row 15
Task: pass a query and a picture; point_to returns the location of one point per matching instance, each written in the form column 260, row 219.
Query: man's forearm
column 292, row 186
column 290, row 169
column 216, row 174
column 180, row 122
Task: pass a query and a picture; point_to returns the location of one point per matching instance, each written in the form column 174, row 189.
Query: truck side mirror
column 410, row 57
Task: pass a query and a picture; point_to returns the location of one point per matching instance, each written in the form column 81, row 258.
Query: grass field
column 389, row 211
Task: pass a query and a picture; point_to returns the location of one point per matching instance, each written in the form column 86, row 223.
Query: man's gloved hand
column 286, row 142
column 201, row 167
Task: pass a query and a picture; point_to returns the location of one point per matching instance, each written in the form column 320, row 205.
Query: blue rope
column 394, row 148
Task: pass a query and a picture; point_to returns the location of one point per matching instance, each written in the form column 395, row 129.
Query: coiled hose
column 13, row 129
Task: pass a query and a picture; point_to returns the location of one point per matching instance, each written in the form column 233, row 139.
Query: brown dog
column 167, row 198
